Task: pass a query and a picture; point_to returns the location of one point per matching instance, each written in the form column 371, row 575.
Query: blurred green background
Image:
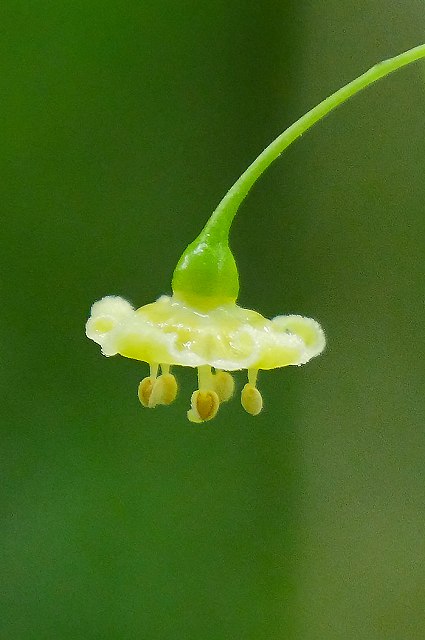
column 122, row 126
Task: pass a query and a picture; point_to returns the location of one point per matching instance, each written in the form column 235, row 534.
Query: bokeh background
column 122, row 125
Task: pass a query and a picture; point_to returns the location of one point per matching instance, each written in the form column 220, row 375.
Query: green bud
column 206, row 275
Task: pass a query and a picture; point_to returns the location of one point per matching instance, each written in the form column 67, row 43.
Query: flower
column 224, row 338
column 201, row 325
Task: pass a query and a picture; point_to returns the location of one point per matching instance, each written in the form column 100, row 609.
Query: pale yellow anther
column 204, row 405
column 164, row 390
column 224, row 385
column 192, row 417
column 145, row 391
column 251, row 399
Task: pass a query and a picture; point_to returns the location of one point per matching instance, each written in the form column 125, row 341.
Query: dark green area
column 122, row 125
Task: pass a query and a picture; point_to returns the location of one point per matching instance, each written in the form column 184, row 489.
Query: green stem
column 223, row 216
column 206, row 274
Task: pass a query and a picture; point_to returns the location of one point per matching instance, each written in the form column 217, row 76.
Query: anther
column 204, row 405
column 224, row 385
column 164, row 390
column 145, row 391
column 146, row 387
column 251, row 399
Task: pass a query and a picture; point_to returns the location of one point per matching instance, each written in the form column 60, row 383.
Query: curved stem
column 227, row 208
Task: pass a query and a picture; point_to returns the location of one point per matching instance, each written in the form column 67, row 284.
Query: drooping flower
column 200, row 325
column 225, row 338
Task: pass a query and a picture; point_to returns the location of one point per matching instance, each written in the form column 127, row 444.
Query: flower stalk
column 208, row 265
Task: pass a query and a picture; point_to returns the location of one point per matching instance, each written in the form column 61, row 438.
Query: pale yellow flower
column 226, row 338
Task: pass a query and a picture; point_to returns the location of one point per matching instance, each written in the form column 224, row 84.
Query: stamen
column 153, row 371
column 251, row 399
column 164, row 390
column 204, row 377
column 145, row 391
column 146, row 387
column 204, row 405
column 224, row 385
